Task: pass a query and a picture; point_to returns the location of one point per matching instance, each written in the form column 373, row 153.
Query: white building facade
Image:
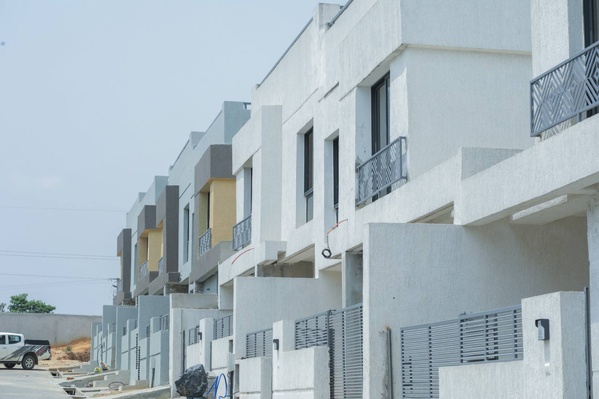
column 416, row 195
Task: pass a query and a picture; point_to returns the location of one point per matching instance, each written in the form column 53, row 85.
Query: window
column 591, row 28
column 591, row 32
column 2, row 339
column 14, row 339
column 248, row 175
column 208, row 211
column 309, row 173
column 380, row 120
column 380, row 115
column 186, row 234
column 336, row 178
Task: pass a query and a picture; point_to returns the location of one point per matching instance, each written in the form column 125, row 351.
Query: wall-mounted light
column 275, row 343
column 542, row 329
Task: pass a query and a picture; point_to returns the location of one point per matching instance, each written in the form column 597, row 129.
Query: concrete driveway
column 33, row 384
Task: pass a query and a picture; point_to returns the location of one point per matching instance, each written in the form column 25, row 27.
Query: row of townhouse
column 402, row 213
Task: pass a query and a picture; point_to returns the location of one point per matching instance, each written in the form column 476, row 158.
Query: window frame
column 384, row 82
column 309, row 173
column 336, row 177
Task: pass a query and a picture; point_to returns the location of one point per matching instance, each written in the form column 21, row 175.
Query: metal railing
column 382, row 170
column 223, row 327
column 205, row 242
column 193, row 335
column 161, row 266
column 342, row 331
column 565, row 91
column 259, row 344
column 164, row 322
column 143, row 270
column 242, row 233
column 490, row 336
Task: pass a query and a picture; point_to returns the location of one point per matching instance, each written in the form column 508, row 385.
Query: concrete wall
column 411, row 270
column 123, row 315
column 259, row 302
column 222, row 209
column 57, row 328
column 186, row 311
column 159, row 355
column 555, row 368
column 255, row 378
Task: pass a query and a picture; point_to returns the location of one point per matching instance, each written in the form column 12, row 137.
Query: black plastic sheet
column 193, row 383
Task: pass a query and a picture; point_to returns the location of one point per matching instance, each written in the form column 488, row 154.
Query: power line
column 67, row 277
column 61, row 209
column 56, row 255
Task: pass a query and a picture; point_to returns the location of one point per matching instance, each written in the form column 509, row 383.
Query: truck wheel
column 9, row 365
column 28, row 362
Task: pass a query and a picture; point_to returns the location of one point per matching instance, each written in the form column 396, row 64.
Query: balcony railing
column 223, row 327
column 143, row 270
column 565, row 91
column 242, row 233
column 205, row 242
column 382, row 170
column 161, row 266
column 490, row 336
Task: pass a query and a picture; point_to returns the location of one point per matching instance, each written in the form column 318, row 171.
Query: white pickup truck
column 14, row 349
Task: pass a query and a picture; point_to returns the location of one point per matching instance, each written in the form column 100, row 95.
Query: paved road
column 34, row 384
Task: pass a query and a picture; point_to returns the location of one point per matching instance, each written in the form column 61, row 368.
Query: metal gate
column 137, row 356
column 473, row 338
column 342, row 331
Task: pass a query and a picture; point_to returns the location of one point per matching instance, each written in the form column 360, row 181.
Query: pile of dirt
column 72, row 354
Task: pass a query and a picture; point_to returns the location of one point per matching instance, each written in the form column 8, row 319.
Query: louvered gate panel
column 483, row 337
column 259, row 344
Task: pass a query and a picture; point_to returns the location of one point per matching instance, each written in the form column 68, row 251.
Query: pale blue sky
column 97, row 97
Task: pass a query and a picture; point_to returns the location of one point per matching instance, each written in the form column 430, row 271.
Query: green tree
column 20, row 304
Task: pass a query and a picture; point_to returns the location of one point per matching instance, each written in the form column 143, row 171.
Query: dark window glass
column 186, row 234
column 2, row 339
column 14, row 339
column 591, row 31
column 380, row 114
column 336, row 173
column 309, row 173
column 208, row 212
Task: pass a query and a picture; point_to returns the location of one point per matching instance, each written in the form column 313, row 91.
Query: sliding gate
column 473, row 338
column 342, row 331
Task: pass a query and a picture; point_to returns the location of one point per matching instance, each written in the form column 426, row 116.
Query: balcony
column 242, row 233
column 382, row 170
column 143, row 270
column 161, row 266
column 205, row 242
column 565, row 91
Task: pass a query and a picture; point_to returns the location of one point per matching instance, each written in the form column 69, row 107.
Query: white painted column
column 352, row 279
column 556, row 32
